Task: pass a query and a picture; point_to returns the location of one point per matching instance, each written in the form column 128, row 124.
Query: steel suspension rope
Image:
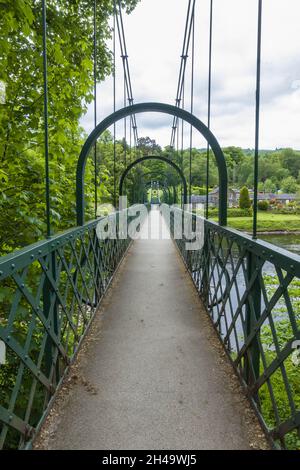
column 125, row 124
column 179, row 160
column 46, row 130
column 126, row 70
column 114, row 98
column 192, row 103
column 257, row 116
column 182, row 70
column 209, row 102
column 130, row 143
column 182, row 132
column 95, row 106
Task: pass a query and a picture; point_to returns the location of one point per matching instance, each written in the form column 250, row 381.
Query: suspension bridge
column 146, row 344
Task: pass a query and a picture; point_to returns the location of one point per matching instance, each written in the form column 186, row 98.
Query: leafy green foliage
column 263, row 205
column 231, row 212
column 70, row 83
column 284, row 333
column 289, row 184
column 245, row 202
column 22, row 174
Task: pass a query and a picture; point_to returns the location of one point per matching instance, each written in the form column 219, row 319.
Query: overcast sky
column 154, row 33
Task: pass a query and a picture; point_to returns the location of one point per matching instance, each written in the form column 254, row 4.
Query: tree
column 269, row 186
column 263, row 205
column 289, row 185
column 291, row 161
column 245, row 202
column 70, row 84
column 148, row 146
column 234, row 157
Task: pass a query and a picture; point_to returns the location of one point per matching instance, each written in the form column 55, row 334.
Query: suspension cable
column 114, row 98
column 126, row 70
column 95, row 106
column 182, row 130
column 125, row 124
column 209, row 102
column 257, row 115
column 130, row 143
column 192, row 102
column 46, row 133
column 182, row 70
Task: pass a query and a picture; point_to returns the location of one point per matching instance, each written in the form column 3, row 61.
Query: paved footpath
column 151, row 375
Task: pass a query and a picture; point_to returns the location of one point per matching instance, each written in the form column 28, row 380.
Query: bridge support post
column 97, row 258
column 50, row 310
column 206, row 265
column 253, row 312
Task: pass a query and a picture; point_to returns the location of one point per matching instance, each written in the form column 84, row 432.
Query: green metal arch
column 158, row 108
column 154, row 157
column 154, row 176
column 165, row 188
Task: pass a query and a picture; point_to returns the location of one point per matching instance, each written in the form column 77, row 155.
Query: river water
column 289, row 242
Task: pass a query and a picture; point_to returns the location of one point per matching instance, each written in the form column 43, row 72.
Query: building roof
column 285, row 197
column 261, row 196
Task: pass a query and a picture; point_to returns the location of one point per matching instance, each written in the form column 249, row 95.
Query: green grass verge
column 266, row 222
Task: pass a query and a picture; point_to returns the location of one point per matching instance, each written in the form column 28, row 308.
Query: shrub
column 232, row 212
column 199, row 190
column 263, row 205
column 236, row 212
column 287, row 210
column 245, row 202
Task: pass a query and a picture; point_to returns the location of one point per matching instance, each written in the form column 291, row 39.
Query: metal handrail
column 249, row 310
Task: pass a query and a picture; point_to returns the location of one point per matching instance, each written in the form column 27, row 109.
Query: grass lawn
column 267, row 222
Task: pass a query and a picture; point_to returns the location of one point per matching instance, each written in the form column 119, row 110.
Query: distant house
column 285, row 198
column 213, row 198
column 281, row 198
column 199, row 199
column 234, row 196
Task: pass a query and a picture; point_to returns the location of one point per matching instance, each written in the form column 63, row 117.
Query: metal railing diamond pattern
column 50, row 292
column 251, row 290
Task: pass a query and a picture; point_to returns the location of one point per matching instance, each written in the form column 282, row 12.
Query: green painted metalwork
column 166, row 190
column 52, row 291
column 209, row 100
column 46, row 126
column 257, row 118
column 154, row 157
column 95, row 103
column 159, row 108
column 251, row 291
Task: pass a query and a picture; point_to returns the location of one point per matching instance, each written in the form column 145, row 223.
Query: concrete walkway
column 150, row 375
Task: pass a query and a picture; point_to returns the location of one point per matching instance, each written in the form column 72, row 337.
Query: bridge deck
column 151, row 374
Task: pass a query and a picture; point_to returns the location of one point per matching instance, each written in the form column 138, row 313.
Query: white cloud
column 154, row 33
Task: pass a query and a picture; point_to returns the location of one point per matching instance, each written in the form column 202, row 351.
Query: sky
column 154, row 35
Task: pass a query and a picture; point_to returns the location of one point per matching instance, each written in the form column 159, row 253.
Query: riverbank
column 276, row 232
column 267, row 223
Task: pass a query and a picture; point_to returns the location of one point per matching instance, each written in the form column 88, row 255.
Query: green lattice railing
column 251, row 290
column 50, row 292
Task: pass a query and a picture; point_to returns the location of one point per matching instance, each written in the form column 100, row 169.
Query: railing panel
column 49, row 293
column 251, row 290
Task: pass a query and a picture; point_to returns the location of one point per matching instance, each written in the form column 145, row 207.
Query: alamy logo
column 2, row 92
column 137, row 222
column 2, row 352
column 296, row 353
